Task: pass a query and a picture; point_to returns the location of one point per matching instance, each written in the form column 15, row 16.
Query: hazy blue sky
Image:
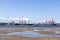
column 34, row 9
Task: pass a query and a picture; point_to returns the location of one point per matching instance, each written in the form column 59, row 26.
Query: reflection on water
column 36, row 32
column 32, row 33
column 57, row 32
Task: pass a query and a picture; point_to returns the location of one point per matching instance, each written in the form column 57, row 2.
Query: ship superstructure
column 49, row 23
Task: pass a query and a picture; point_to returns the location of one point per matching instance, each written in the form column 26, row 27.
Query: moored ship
column 31, row 25
column 50, row 23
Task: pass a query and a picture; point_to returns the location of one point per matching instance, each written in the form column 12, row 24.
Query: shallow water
column 29, row 34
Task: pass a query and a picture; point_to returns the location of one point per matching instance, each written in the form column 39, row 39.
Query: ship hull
column 32, row 25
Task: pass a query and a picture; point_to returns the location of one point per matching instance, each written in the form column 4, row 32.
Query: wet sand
column 10, row 30
column 23, row 38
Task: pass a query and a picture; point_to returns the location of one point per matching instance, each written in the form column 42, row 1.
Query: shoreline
column 10, row 30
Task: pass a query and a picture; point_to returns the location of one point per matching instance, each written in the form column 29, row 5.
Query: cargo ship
column 50, row 23
column 30, row 25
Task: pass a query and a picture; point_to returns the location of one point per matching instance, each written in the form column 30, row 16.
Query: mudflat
column 23, row 38
column 10, row 30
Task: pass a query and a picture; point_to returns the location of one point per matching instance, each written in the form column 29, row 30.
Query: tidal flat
column 29, row 33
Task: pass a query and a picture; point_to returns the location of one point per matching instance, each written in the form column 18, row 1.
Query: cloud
column 26, row 19
column 2, row 18
column 14, row 18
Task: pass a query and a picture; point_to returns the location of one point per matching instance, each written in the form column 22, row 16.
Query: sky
column 39, row 10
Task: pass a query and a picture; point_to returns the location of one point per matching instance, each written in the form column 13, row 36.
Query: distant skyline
column 39, row 10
